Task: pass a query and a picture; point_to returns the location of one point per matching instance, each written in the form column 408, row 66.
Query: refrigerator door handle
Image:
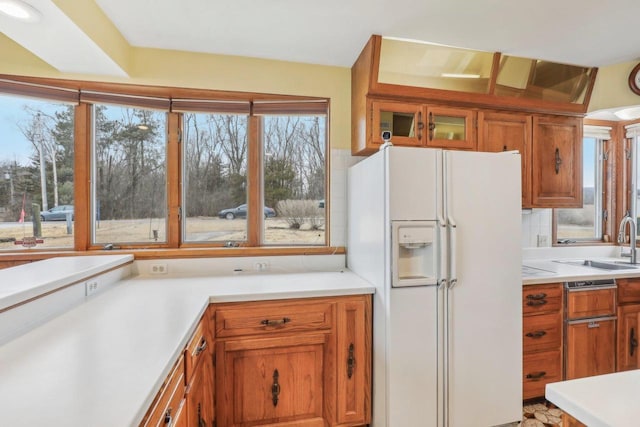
column 453, row 276
column 442, row 258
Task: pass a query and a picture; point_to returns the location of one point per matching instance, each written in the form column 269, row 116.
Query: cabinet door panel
column 271, row 381
column 590, row 348
column 451, row 128
column 628, row 352
column 557, row 162
column 508, row 132
column 628, row 291
column 354, row 363
column 538, row 369
column 403, row 120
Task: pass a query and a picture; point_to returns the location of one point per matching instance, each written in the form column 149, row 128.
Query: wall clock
column 634, row 80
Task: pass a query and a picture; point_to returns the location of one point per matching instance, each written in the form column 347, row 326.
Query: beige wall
column 612, row 88
column 220, row 72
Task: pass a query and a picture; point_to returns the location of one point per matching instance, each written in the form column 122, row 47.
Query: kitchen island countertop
column 602, row 401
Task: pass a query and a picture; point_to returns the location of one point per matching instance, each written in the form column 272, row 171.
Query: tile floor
column 541, row 414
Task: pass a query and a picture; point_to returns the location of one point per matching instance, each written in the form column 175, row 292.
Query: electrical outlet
column 91, row 287
column 158, row 268
column 543, row 240
column 262, row 266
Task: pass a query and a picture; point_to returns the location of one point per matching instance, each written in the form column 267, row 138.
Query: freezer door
column 413, row 393
column 484, row 318
column 412, row 183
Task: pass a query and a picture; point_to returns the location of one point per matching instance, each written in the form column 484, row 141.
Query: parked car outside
column 59, row 213
column 241, row 212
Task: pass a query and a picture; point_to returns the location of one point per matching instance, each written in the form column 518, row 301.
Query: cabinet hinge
column 627, row 154
column 179, row 136
column 179, row 213
column 605, row 155
column 605, row 215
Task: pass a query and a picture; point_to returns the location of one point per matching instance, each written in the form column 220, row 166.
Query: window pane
column 294, row 179
column 215, row 176
column 36, row 173
column 129, row 185
column 585, row 222
column 433, row 66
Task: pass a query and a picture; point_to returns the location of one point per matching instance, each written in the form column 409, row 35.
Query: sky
column 13, row 145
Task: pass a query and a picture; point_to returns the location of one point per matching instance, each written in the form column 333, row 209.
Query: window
column 36, row 173
column 294, row 149
column 159, row 167
column 215, row 177
column 587, row 223
column 633, row 175
column 130, row 179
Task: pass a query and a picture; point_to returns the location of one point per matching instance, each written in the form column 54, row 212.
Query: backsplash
column 536, row 228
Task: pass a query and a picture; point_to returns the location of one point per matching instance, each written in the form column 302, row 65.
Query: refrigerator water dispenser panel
column 414, row 253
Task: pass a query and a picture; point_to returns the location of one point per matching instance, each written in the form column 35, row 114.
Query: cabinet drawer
column 542, row 332
column 541, row 298
column 591, row 303
column 538, row 369
column 169, row 399
column 628, row 291
column 272, row 317
column 198, row 348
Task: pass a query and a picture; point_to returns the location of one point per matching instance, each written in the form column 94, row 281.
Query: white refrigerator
column 439, row 235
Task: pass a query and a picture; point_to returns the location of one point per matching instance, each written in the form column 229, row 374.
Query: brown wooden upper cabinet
column 508, row 132
column 452, row 104
column 556, row 162
column 422, row 125
column 551, row 150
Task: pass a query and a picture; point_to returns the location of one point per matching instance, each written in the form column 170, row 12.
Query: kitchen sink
column 609, row 265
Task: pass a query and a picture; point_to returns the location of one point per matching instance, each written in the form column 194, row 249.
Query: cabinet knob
column 536, row 375
column 351, row 362
column 536, row 302
column 202, row 347
column 276, row 322
column 275, row 388
column 536, row 334
column 558, row 161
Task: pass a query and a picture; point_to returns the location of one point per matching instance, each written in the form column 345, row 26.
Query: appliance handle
column 442, row 258
column 453, row 273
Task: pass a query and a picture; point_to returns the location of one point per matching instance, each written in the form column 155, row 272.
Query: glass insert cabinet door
column 403, row 120
column 450, row 128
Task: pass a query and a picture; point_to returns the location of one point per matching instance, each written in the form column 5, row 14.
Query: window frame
column 152, row 95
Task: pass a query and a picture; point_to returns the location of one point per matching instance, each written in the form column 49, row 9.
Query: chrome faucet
column 632, row 238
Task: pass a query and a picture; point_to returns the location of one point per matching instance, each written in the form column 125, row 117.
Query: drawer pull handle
column 168, row 419
column 536, row 302
column 275, row 388
column 202, row 347
column 633, row 342
column 536, row 334
column 351, row 362
column 276, row 322
column 536, row 296
column 536, row 375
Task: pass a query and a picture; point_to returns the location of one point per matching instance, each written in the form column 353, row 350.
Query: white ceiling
column 333, row 32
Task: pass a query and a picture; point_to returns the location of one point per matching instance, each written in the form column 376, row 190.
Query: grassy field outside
column 198, row 230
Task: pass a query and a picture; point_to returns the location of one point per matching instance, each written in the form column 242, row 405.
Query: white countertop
column 101, row 363
column 30, row 280
column 610, row 400
column 538, row 271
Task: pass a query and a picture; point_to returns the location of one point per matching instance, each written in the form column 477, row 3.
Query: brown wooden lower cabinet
column 297, row 362
column 590, row 348
column 303, row 362
column 541, row 338
column 569, row 421
column 628, row 328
